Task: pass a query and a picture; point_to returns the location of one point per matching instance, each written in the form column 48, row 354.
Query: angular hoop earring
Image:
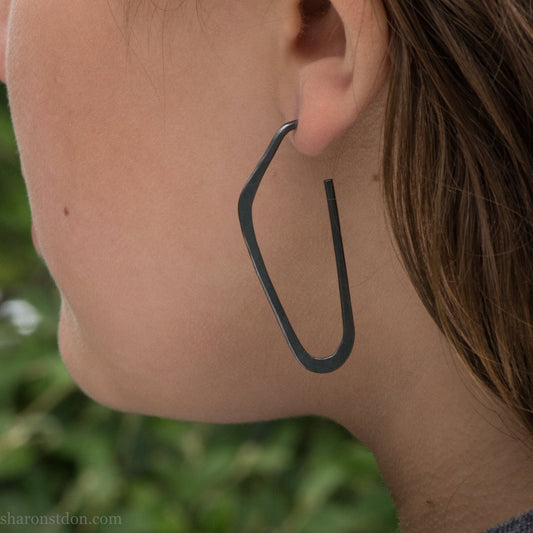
column 319, row 365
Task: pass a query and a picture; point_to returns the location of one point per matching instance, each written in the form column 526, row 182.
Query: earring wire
column 246, row 199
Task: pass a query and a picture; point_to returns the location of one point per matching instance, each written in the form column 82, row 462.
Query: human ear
column 4, row 15
column 339, row 55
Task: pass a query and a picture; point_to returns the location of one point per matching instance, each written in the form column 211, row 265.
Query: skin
column 135, row 146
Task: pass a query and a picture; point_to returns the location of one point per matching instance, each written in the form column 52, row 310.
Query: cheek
column 136, row 218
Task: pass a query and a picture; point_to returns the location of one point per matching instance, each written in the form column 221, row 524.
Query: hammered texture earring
column 246, row 199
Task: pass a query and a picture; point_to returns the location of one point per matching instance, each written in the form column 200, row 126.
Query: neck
column 451, row 457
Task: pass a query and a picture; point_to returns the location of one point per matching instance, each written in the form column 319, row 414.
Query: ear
column 5, row 6
column 339, row 54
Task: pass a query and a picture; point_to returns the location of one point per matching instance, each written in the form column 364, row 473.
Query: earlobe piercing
column 319, row 365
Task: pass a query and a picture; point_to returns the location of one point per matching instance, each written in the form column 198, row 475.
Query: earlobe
column 335, row 84
column 326, row 105
column 5, row 6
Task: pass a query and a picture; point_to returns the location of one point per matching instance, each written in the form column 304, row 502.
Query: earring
column 319, row 365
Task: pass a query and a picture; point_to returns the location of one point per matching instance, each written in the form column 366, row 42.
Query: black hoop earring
column 319, row 365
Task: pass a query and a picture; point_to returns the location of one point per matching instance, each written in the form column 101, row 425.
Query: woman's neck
column 452, row 458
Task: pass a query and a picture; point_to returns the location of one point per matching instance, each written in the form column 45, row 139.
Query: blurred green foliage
column 62, row 453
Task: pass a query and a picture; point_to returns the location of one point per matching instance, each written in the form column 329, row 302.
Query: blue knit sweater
column 519, row 524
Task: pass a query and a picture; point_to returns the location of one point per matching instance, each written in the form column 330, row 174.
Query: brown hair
column 458, row 178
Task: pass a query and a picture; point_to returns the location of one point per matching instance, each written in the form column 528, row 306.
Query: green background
column 61, row 452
